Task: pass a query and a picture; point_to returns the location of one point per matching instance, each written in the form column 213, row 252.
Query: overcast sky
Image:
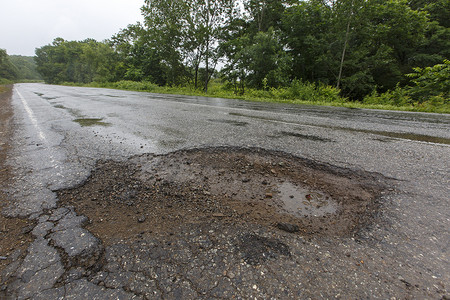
column 29, row 24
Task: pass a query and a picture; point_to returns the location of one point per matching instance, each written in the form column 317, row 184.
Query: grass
column 302, row 93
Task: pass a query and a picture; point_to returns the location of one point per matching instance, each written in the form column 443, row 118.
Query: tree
column 186, row 32
column 208, row 18
column 7, row 69
column 431, row 81
column 26, row 67
column 354, row 44
column 267, row 65
column 138, row 55
column 265, row 14
column 73, row 61
column 165, row 23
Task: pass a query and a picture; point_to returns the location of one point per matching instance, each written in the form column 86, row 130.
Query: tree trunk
column 343, row 55
column 207, row 66
column 207, row 48
column 196, row 75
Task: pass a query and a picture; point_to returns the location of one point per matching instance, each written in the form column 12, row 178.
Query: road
column 61, row 133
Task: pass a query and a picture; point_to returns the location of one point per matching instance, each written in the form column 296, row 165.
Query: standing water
column 303, row 202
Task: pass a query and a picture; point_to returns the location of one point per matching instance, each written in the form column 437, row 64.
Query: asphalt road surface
column 61, row 135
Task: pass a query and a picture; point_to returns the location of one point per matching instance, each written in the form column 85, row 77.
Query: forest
column 393, row 52
column 17, row 68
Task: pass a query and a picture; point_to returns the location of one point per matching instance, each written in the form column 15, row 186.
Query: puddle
column 231, row 122
column 91, row 122
column 303, row 202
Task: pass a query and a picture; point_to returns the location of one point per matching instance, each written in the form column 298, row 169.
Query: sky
column 29, row 24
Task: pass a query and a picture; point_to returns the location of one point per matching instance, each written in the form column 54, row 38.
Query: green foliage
column 73, row 61
column 431, row 83
column 26, row 67
column 339, row 51
column 429, row 92
column 396, row 97
column 373, row 41
column 8, row 71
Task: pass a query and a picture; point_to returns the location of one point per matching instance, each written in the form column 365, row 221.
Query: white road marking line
column 40, row 132
column 32, row 117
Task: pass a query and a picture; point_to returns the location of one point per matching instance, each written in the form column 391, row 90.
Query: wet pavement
column 63, row 134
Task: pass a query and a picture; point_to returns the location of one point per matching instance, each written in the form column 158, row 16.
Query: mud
column 149, row 194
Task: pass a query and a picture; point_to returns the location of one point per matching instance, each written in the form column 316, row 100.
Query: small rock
column 230, row 275
column 27, row 229
column 291, row 228
column 218, row 215
column 269, row 195
column 142, row 219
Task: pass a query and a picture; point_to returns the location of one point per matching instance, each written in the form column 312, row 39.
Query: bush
column 431, row 82
column 396, row 97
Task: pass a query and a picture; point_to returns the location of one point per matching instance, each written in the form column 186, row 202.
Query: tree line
column 17, row 68
column 359, row 47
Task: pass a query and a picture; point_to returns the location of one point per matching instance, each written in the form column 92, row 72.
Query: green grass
column 302, row 93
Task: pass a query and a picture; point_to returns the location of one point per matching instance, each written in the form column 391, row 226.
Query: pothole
column 153, row 194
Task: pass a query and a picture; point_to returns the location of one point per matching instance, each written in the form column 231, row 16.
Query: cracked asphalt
column 60, row 139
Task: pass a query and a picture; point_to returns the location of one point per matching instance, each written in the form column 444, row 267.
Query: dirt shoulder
column 14, row 237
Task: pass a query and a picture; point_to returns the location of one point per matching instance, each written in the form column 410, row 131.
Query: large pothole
column 152, row 194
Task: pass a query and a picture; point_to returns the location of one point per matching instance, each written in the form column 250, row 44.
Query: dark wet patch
column 170, row 144
column 50, row 98
column 113, row 96
column 400, row 135
column 256, row 249
column 407, row 136
column 39, row 94
column 383, row 140
column 59, row 106
column 253, row 117
column 305, row 136
column 231, row 122
column 91, row 122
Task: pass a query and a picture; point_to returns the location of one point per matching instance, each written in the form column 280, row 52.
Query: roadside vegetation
column 388, row 54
